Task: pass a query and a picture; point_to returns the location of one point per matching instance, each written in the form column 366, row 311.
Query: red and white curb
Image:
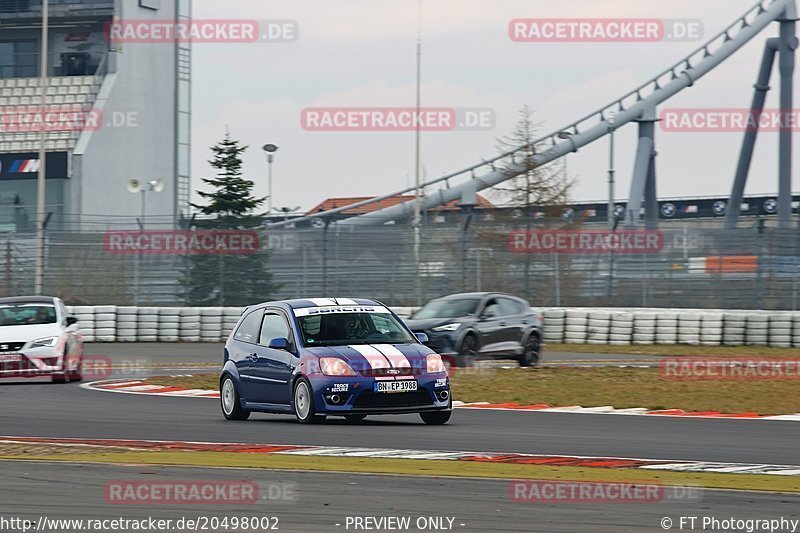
column 142, row 387
column 387, row 453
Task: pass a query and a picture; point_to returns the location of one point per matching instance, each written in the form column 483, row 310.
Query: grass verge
column 595, row 387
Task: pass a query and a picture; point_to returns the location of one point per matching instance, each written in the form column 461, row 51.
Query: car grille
column 370, row 399
column 11, row 346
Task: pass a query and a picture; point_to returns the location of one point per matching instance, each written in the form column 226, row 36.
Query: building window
column 19, row 59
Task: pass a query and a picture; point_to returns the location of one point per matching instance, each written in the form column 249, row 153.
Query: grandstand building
column 113, row 112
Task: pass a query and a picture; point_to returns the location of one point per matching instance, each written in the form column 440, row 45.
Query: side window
column 273, row 327
column 63, row 310
column 509, row 307
column 248, row 329
column 384, row 325
column 492, row 309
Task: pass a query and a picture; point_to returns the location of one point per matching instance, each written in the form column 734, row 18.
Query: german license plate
column 405, row 385
column 10, row 358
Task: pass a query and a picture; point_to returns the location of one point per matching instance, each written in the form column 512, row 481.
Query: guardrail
column 610, row 326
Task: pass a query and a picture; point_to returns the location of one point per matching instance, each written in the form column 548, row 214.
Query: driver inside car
column 345, row 327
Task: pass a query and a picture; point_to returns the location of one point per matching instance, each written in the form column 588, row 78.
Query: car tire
column 303, row 403
column 351, row 419
column 229, row 400
column 435, row 418
column 467, row 352
column 77, row 374
column 530, row 352
column 63, row 376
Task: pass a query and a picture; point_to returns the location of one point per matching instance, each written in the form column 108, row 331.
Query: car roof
column 474, row 295
column 322, row 302
column 28, row 300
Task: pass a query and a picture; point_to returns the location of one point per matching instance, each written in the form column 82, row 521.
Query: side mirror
column 421, row 337
column 71, row 321
column 281, row 343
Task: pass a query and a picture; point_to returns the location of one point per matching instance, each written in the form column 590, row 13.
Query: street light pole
column 41, row 178
column 270, row 149
column 611, row 175
column 417, row 140
column 136, row 187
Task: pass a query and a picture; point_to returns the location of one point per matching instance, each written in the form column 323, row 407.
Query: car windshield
column 448, row 308
column 23, row 314
column 341, row 329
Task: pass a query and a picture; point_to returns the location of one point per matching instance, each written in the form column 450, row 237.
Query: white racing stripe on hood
column 346, row 301
column 395, row 356
column 374, row 359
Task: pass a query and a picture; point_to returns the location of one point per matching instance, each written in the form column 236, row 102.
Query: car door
column 272, row 368
column 513, row 325
column 242, row 350
column 488, row 326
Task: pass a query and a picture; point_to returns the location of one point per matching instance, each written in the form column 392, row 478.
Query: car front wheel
column 303, row 402
column 229, row 400
column 77, row 373
column 435, row 418
column 65, row 375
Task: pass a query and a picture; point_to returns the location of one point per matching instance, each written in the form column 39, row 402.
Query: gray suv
column 462, row 327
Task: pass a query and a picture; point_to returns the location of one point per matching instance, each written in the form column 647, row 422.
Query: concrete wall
column 137, row 137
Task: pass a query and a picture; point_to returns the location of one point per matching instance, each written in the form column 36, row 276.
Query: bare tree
column 539, row 196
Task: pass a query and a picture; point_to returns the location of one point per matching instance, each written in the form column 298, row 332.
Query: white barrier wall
column 108, row 323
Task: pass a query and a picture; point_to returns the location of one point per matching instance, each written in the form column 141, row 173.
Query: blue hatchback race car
column 330, row 356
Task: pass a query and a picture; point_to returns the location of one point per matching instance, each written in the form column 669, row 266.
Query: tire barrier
column 190, row 324
column 554, row 322
column 612, row 326
column 598, row 327
column 621, row 330
column 575, row 326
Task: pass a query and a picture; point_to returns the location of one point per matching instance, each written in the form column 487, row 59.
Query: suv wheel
column 467, row 352
column 530, row 352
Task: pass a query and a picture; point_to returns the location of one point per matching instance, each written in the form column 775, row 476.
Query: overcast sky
column 361, row 53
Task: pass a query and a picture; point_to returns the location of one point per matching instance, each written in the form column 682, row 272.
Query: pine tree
column 539, row 190
column 228, row 280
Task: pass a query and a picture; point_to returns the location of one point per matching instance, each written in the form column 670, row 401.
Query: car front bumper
column 356, row 395
column 32, row 362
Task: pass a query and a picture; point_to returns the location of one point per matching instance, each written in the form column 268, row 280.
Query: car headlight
column 447, row 327
column 435, row 364
column 331, row 366
column 47, row 342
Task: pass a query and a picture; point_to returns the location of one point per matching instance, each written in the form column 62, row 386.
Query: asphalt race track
column 43, row 409
column 324, row 500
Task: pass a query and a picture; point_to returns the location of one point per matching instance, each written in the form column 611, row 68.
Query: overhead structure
column 640, row 106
